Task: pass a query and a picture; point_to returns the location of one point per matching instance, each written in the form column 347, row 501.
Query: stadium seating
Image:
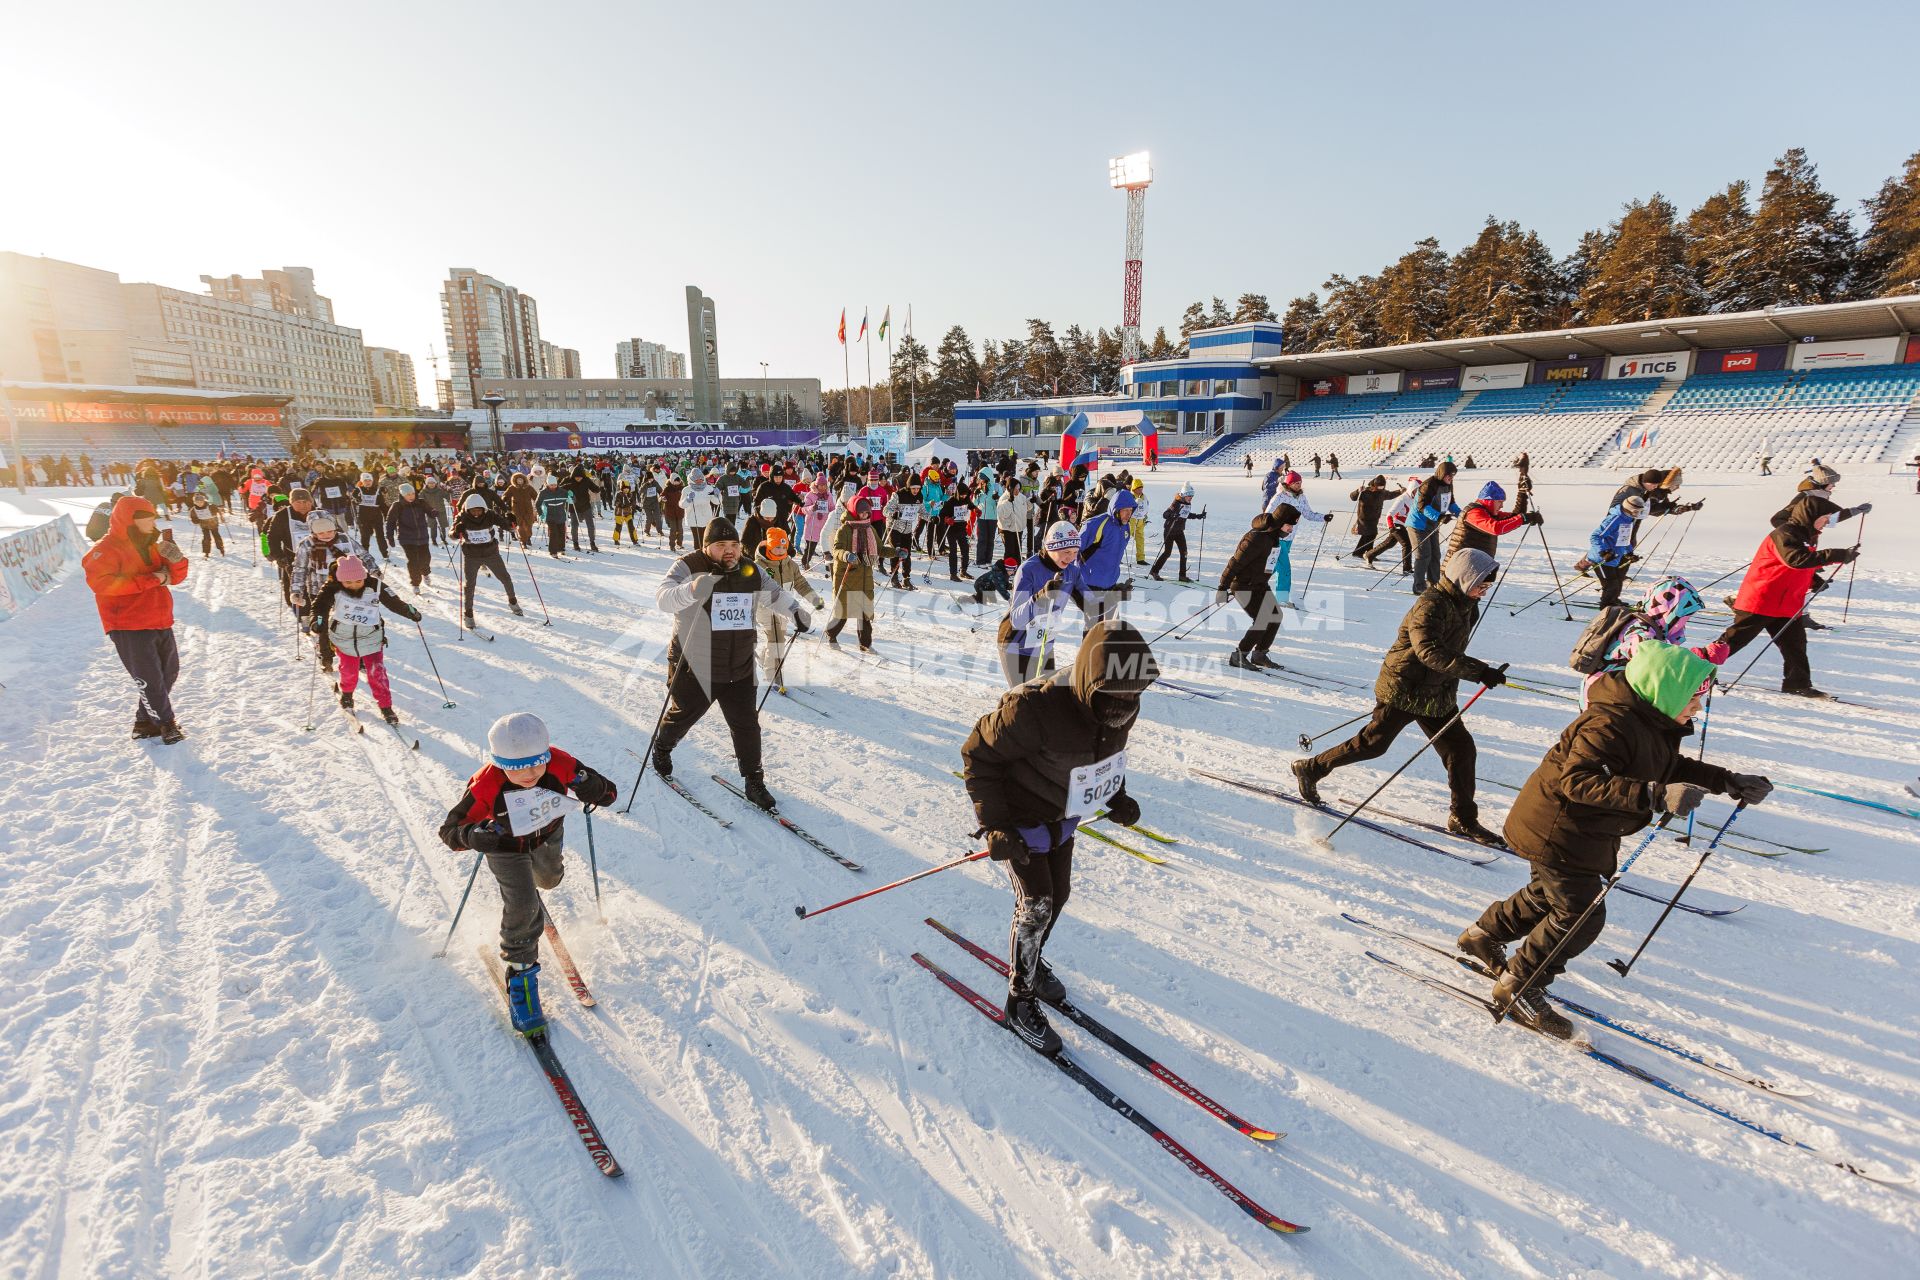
column 132, row 443
column 1362, row 430
column 1728, row 421
column 1557, row 424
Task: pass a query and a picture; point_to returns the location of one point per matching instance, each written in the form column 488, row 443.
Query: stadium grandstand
column 1839, row 381
column 127, row 424
column 354, row 436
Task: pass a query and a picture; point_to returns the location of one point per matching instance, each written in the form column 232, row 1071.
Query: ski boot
column 1241, row 661
column 1047, row 985
column 390, row 716
column 1470, row 829
column 1262, row 661
column 171, row 732
column 663, row 759
column 346, row 700
column 467, row 618
column 523, row 1000
column 1156, row 577
column 1184, row 578
column 1479, row 944
column 757, row 793
column 513, row 607
column 1806, row 691
column 1306, row 779
column 1026, row 1020
column 1532, row 1009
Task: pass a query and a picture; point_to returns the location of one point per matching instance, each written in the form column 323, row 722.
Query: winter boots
column 663, row 759
column 1025, row 1019
column 756, row 792
column 1241, row 661
column 513, row 607
column 1480, row 944
column 346, row 699
column 1470, row 829
column 170, row 732
column 523, row 1000
column 389, row 715
column 145, row 729
column 1307, row 780
column 1260, row 659
column 1532, row 1009
column 1047, row 985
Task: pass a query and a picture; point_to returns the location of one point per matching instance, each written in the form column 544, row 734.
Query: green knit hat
column 1667, row 675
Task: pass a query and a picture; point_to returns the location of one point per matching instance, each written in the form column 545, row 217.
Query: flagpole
column 866, row 340
column 846, row 370
column 913, row 379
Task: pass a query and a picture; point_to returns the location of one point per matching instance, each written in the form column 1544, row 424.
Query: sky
column 793, row 159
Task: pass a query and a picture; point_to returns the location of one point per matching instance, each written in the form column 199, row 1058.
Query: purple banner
column 1741, row 360
column 1441, row 380
column 1577, row 370
column 654, row 440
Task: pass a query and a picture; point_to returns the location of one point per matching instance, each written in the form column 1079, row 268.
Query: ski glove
column 1676, row 798
column 1123, row 808
column 1007, row 846
column 1534, row 517
column 413, row 615
column 1843, row 555
column 484, row 837
column 1860, row 510
column 1490, row 676
column 1749, row 788
column 802, row 622
column 1327, row 518
column 1818, row 584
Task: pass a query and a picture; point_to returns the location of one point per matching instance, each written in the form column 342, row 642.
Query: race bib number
column 1624, row 538
column 1273, row 558
column 1091, row 785
column 369, row 499
column 534, row 808
column 333, row 491
column 356, row 613
column 479, row 537
column 733, row 611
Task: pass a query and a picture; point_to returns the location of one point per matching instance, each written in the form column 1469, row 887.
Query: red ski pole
column 805, row 914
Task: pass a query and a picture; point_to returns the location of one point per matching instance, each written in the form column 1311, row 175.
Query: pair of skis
column 1633, row 1070
column 680, row 789
column 541, row 1045
column 1139, row 1057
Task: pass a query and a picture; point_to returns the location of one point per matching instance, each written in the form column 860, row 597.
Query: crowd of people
column 744, row 532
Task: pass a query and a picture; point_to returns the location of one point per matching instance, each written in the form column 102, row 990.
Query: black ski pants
column 1789, row 636
column 1364, row 536
column 1542, row 913
column 1613, row 579
column 1264, row 610
column 1397, row 534
column 1172, row 536
column 1453, row 744
column 1041, row 885
column 372, row 527
column 522, row 877
column 484, row 557
column 152, row 659
column 690, row 700
column 957, row 551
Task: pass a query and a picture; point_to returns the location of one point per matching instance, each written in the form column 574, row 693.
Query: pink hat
column 348, row 568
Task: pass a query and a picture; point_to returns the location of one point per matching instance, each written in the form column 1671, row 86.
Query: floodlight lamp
column 1130, row 171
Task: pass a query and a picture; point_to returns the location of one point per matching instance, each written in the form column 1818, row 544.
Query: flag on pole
column 886, row 318
column 863, row 326
column 843, row 326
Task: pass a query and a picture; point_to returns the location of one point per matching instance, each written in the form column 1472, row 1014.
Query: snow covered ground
column 231, row 1051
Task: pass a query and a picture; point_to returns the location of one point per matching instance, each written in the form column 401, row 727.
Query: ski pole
column 536, row 588
column 1306, row 743
column 1415, row 555
column 313, row 673
column 1453, row 720
column 1775, row 634
column 1706, row 719
column 1324, row 526
column 779, row 670
column 458, row 911
column 1200, row 560
column 1500, row 1011
column 593, row 863
column 1203, row 609
column 1623, row 969
column 672, row 673
column 1691, row 517
column 1486, row 605
column 805, row 914
column 1853, row 566
column 446, row 702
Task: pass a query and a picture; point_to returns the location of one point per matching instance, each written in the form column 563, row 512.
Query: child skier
column 503, row 816
column 207, row 520
column 624, row 505
column 347, row 612
column 776, row 562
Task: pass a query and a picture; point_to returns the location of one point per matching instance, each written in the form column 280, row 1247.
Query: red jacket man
column 132, row 572
column 1773, row 595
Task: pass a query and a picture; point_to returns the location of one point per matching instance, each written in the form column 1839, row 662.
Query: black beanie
column 720, row 529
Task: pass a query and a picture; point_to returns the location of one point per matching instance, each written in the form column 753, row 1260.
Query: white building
column 493, row 331
column 638, row 358
column 391, row 374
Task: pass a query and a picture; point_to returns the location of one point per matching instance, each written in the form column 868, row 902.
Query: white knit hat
column 519, row 741
column 1061, row 535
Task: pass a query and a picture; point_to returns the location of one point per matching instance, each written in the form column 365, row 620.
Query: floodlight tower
column 1132, row 174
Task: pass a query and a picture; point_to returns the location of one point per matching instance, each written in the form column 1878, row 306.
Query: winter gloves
column 1749, row 788
column 1676, row 798
column 1123, row 808
column 1007, row 846
column 1533, row 517
column 484, row 837
column 802, row 621
column 1490, row 676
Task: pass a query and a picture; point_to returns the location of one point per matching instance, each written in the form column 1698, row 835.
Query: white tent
column 937, row 451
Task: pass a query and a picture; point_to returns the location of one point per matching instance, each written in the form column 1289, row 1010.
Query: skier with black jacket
column 1173, row 531
column 1052, row 755
column 1616, row 767
column 1419, row 684
column 478, row 530
column 1367, row 500
column 1247, row 580
column 715, row 595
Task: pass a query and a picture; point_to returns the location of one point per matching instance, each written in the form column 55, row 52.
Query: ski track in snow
column 233, row 1052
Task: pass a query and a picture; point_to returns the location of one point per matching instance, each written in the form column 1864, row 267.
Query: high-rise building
column 638, row 358
column 559, row 362
column 493, row 331
column 390, row 373
column 703, row 343
column 289, row 291
column 62, row 322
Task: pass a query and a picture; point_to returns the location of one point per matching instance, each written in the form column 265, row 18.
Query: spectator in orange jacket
column 132, row 572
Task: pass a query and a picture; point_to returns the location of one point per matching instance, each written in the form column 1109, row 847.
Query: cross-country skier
column 776, row 562
column 1483, row 522
column 1046, row 583
column 1173, row 531
column 1367, row 500
column 1610, row 547
column 1247, row 581
column 1615, row 768
column 1103, row 549
column 1662, row 615
column 132, row 571
column 1052, row 755
column 410, row 524
column 206, row 518
column 1432, row 506
column 1397, row 532
column 347, row 612
column 715, row 596
column 371, row 513
column 1773, row 596
column 554, row 505
column 624, row 505
column 1418, row 684
column 507, row 815
column 856, row 550
column 477, row 530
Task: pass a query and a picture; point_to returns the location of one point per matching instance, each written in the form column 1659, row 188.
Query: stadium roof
column 147, row 395
column 1871, row 318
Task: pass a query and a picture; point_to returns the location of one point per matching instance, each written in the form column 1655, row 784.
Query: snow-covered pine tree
column 1413, row 294
column 1304, row 325
column 1806, row 240
column 1888, row 261
column 1643, row 275
column 1721, row 250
